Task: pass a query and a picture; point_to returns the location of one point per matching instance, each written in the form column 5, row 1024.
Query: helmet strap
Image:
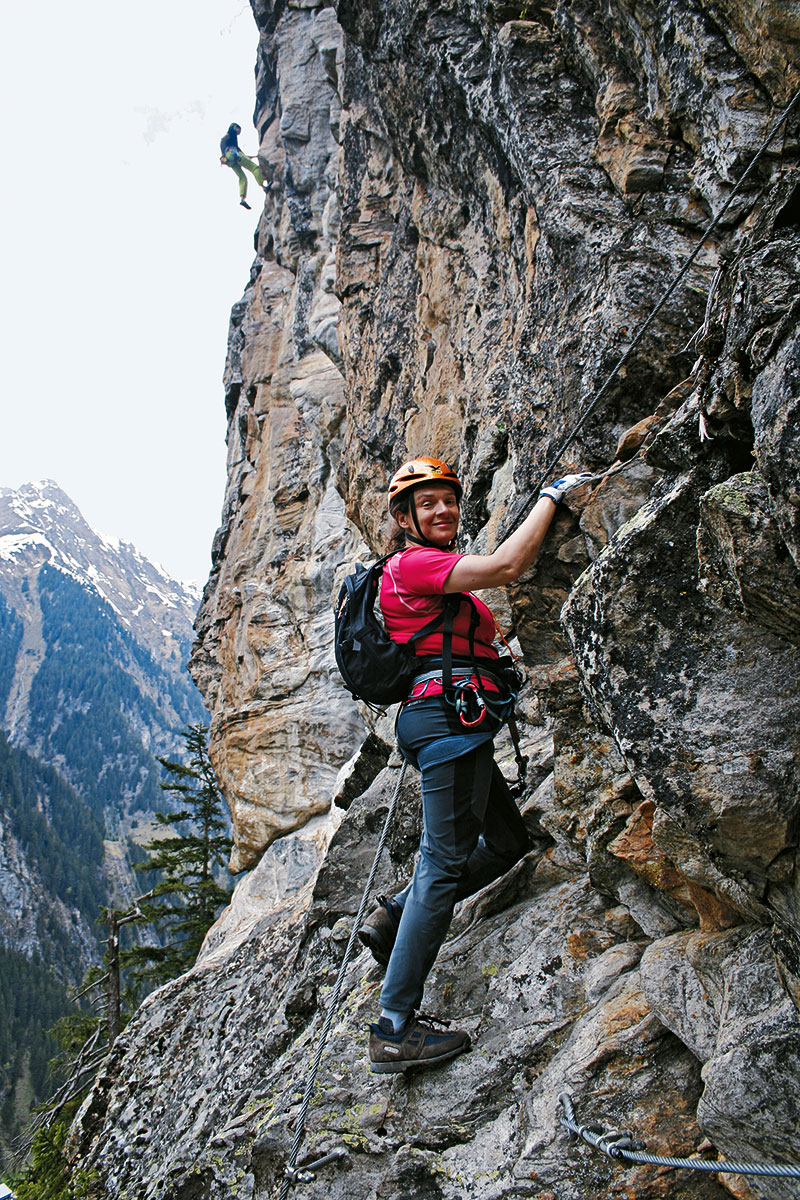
column 412, row 508
column 419, row 541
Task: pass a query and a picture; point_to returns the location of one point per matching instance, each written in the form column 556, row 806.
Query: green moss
column 734, row 493
column 489, row 1176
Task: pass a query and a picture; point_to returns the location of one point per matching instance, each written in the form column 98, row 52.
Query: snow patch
column 12, row 544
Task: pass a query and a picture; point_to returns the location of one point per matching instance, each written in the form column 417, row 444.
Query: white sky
column 123, row 249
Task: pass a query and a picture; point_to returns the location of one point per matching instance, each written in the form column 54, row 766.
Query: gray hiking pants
column 472, row 833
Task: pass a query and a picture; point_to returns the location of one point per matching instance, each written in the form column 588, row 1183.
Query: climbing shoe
column 244, row 204
column 422, row 1043
column 379, row 931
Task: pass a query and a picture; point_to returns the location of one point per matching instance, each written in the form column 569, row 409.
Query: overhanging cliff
column 474, row 207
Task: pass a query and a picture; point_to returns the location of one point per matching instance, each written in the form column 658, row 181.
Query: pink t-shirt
column 412, row 587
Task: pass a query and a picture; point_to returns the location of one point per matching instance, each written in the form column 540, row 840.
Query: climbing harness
column 472, row 700
column 519, row 514
column 292, row 1174
column 621, row 1144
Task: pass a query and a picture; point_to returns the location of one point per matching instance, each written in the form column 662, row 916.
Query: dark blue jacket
column 230, row 140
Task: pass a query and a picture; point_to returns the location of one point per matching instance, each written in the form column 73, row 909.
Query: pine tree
column 183, row 905
column 188, row 860
column 49, row 1176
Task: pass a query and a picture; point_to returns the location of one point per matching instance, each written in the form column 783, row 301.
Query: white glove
column 558, row 490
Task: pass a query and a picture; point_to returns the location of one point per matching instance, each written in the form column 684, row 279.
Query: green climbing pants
column 236, row 162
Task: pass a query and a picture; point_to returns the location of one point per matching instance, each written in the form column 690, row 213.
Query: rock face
column 281, row 724
column 474, row 209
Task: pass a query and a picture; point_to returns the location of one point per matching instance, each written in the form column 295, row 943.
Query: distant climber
column 231, row 156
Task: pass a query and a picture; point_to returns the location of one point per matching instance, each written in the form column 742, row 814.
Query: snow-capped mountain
column 93, row 644
column 39, row 523
column 93, row 689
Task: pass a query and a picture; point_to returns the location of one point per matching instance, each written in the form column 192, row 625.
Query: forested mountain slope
column 93, row 645
column 93, row 686
column 52, row 884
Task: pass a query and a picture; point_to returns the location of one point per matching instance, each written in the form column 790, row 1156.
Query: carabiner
column 466, row 690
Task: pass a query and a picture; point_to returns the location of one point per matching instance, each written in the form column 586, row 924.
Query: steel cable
column 333, row 1003
column 553, row 458
column 617, row 1144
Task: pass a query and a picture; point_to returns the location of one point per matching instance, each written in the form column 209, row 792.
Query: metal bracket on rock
column 307, row 1173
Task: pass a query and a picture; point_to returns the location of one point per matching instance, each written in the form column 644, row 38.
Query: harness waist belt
column 459, row 675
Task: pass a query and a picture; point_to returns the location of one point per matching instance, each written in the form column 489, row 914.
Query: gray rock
column 776, row 405
column 724, row 997
column 721, row 765
column 743, row 559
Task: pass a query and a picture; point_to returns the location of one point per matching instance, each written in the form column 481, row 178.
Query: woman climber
column 231, row 156
column 472, row 830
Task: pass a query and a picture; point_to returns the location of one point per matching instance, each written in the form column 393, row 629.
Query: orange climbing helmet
column 422, row 470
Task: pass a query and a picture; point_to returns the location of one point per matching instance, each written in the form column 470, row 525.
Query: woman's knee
column 438, row 875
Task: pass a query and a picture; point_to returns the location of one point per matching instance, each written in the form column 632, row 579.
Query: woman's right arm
column 513, row 556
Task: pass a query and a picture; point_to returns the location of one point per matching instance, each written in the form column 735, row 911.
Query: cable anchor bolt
column 307, row 1173
column 616, row 1140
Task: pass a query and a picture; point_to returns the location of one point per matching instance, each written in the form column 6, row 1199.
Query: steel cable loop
column 619, row 1145
column 333, row 1003
column 553, row 458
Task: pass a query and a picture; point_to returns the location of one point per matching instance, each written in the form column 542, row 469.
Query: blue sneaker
column 422, row 1043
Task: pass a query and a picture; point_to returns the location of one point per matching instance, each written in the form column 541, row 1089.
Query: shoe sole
column 394, row 1068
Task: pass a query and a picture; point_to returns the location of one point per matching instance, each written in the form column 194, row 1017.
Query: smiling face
column 437, row 514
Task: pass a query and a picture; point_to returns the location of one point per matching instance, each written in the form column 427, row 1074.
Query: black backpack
column 374, row 668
